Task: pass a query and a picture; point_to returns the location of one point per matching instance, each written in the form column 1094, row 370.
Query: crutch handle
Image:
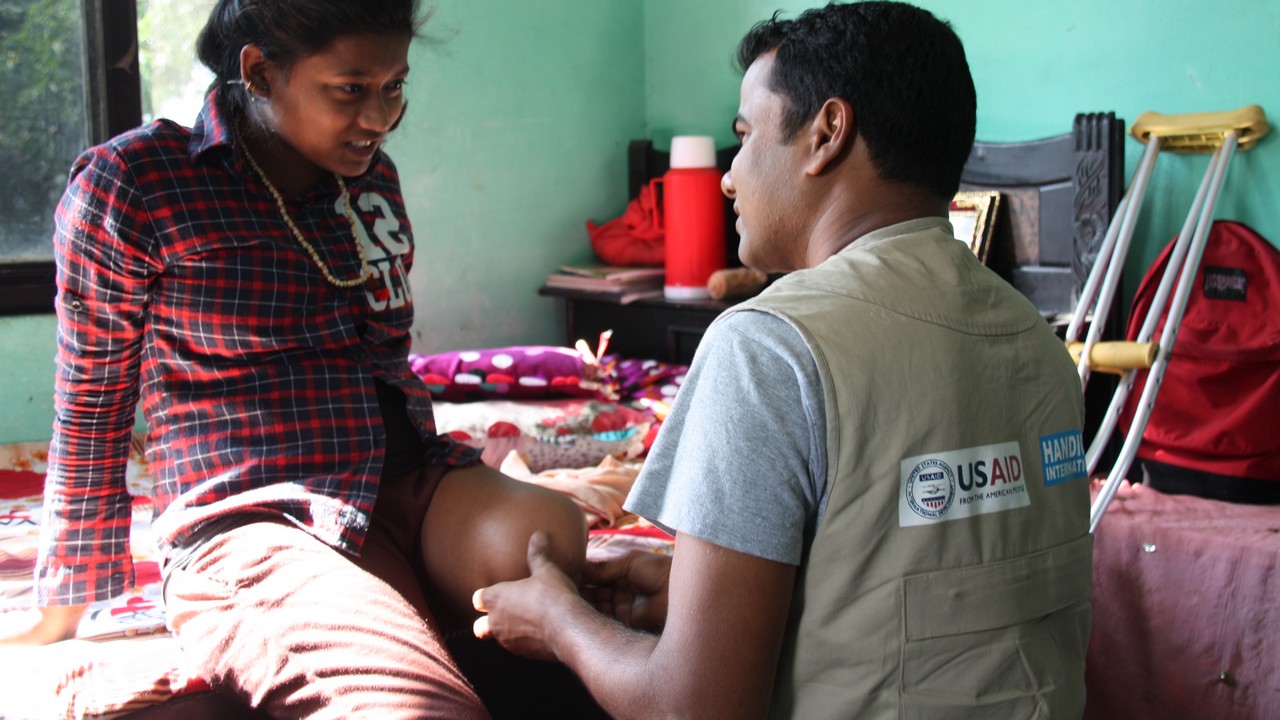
column 1114, row 357
column 1202, row 132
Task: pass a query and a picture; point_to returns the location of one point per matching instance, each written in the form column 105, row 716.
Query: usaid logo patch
column 1062, row 455
column 931, row 488
column 938, row 487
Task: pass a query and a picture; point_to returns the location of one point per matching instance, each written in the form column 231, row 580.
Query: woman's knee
column 477, row 529
column 562, row 521
column 523, row 510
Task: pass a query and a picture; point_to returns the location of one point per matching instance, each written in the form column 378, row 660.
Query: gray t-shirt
column 741, row 460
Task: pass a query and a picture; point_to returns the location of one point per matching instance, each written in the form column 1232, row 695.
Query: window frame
column 113, row 104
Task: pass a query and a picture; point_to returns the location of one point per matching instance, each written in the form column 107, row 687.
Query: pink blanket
column 1186, row 610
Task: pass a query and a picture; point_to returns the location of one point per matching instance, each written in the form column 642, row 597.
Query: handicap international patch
column 1062, row 455
column 943, row 486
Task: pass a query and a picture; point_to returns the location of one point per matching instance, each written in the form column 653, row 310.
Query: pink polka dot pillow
column 531, row 372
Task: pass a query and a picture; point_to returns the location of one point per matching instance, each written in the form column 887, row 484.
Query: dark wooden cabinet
column 653, row 328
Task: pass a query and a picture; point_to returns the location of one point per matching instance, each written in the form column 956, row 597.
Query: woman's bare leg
column 476, row 533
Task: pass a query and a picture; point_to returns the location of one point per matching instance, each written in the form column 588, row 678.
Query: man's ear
column 831, row 134
column 254, row 69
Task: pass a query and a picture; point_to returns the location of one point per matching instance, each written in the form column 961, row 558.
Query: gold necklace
column 366, row 272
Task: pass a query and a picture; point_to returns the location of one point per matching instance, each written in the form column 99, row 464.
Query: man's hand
column 631, row 588
column 40, row 626
column 518, row 610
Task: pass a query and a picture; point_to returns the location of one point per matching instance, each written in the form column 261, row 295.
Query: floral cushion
column 647, row 379
column 566, row 433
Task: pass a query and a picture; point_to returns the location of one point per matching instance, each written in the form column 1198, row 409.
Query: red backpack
column 1218, row 409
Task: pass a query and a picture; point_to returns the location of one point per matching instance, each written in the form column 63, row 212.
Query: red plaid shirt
column 180, row 284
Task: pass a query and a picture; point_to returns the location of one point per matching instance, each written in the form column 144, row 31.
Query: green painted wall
column 516, row 134
column 26, row 389
column 1035, row 65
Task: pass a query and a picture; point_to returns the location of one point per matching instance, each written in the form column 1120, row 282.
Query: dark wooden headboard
column 1057, row 197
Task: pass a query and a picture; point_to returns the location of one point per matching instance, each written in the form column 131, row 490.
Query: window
column 173, row 80
column 76, row 74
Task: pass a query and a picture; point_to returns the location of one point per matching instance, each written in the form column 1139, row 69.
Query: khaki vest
column 951, row 573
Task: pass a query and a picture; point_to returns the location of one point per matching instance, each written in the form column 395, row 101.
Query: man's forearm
column 716, row 656
column 615, row 662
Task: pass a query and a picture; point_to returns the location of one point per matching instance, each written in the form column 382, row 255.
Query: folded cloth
column 635, row 238
column 599, row 491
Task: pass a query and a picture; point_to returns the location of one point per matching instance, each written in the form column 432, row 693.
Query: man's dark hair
column 289, row 30
column 903, row 71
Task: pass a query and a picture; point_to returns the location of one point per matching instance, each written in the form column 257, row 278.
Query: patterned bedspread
column 123, row 658
column 22, row 468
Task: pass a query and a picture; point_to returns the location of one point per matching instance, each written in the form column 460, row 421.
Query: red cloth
column 20, row 483
column 636, row 238
column 1186, row 622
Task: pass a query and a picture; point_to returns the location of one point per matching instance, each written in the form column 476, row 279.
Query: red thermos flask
column 692, row 217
